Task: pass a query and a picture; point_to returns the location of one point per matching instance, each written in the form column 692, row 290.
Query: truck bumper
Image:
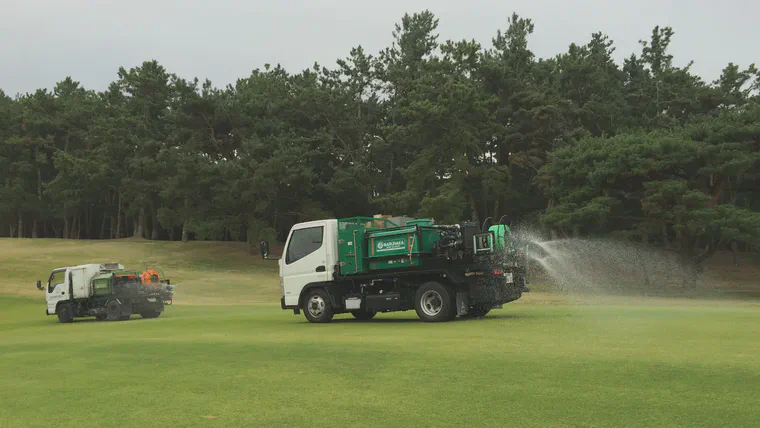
column 495, row 290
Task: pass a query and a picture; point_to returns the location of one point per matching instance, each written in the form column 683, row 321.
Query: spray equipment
column 151, row 277
column 483, row 227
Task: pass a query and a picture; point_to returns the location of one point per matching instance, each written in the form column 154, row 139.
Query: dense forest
column 576, row 144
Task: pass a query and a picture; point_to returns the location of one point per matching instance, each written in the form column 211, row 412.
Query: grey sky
column 42, row 42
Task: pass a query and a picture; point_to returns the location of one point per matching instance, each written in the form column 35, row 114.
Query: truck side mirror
column 39, row 284
column 264, row 249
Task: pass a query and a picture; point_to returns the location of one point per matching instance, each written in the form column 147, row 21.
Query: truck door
column 305, row 260
column 57, row 289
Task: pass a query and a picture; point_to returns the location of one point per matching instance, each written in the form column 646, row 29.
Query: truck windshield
column 303, row 242
column 55, row 279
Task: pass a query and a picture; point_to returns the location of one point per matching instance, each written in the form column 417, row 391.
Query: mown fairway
column 543, row 361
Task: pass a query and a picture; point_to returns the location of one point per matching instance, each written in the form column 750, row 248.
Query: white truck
column 366, row 265
column 106, row 291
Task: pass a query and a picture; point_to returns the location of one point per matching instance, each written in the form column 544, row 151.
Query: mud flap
column 463, row 303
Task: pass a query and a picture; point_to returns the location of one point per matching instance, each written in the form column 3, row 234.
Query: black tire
column 434, row 302
column 100, row 317
column 150, row 314
column 363, row 315
column 64, row 314
column 477, row 311
column 113, row 311
column 317, row 307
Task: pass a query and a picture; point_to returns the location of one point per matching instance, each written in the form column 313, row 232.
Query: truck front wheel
column 64, row 314
column 434, row 303
column 317, row 307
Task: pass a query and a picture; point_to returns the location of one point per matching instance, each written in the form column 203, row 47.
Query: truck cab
column 310, row 257
column 56, row 289
column 69, row 283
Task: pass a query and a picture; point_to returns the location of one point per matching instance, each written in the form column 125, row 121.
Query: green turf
column 540, row 362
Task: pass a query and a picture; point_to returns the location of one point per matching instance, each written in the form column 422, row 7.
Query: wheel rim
column 316, row 306
column 432, row 303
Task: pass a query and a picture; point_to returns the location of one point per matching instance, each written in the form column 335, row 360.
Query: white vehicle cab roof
column 94, row 266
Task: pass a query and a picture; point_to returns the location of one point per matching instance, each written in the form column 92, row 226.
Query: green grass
column 544, row 361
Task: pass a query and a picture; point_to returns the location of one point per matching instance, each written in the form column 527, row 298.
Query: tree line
column 576, row 143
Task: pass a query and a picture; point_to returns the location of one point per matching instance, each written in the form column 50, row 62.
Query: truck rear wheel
column 113, row 311
column 434, row 303
column 64, row 314
column 317, row 307
column 150, row 314
column 363, row 315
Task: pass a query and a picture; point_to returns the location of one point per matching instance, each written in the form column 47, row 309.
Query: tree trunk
column 103, row 226
column 390, row 177
column 171, row 233
column 184, row 232
column 496, row 209
column 86, row 232
column 12, row 232
column 688, row 262
column 642, row 249
column 112, row 233
column 734, row 246
column 118, row 219
column 156, row 228
column 186, row 220
column 140, row 224
column 90, row 219
column 56, row 231
column 249, row 240
column 65, row 227
column 473, row 209
column 665, row 240
column 39, row 192
column 20, row 225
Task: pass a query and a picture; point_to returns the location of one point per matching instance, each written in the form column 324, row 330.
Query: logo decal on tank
column 398, row 244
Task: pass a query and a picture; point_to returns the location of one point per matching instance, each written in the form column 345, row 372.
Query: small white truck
column 106, row 291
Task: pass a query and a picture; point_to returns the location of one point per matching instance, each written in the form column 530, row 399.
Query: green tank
column 367, row 244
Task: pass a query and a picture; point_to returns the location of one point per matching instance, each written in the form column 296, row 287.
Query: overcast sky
column 42, row 42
